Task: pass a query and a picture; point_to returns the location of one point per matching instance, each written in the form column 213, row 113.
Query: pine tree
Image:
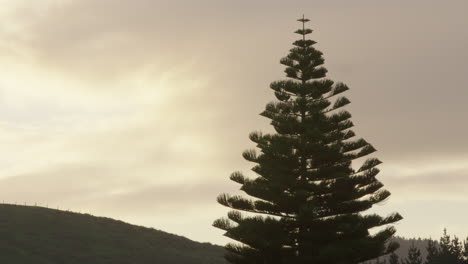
column 414, row 255
column 445, row 245
column 393, row 259
column 432, row 252
column 450, row 250
column 307, row 200
column 457, row 250
column 465, row 250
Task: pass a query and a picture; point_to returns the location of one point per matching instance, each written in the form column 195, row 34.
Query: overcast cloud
column 140, row 110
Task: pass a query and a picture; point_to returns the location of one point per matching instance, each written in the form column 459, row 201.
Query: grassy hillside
column 46, row 236
column 40, row 235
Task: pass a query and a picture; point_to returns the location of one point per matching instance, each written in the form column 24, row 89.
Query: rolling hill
column 37, row 235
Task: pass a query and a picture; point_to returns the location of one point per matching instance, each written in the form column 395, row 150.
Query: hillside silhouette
column 30, row 234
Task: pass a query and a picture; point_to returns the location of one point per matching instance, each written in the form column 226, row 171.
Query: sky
column 139, row 110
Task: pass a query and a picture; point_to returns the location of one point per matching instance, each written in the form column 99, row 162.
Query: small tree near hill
column 414, row 256
column 450, row 250
column 465, row 250
column 432, row 252
column 447, row 251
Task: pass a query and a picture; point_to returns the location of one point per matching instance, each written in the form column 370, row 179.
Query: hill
column 46, row 236
column 402, row 251
column 31, row 234
column 405, row 244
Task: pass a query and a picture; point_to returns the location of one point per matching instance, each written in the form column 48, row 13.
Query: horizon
column 140, row 110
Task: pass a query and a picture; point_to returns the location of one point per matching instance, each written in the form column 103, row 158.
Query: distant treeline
column 447, row 250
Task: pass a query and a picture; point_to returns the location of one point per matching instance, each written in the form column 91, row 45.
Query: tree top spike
column 303, row 20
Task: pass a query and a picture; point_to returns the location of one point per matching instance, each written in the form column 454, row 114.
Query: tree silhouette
column 432, row 252
column 450, row 250
column 393, row 259
column 414, row 256
column 307, row 199
column 465, row 250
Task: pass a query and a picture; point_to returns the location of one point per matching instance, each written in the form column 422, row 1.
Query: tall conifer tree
column 307, row 200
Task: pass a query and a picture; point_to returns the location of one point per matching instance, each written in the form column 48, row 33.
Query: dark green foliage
column 307, row 200
column 465, row 250
column 35, row 235
column 414, row 256
column 447, row 251
column 432, row 252
column 450, row 250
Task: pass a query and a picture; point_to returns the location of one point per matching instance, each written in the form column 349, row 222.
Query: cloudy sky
column 140, row 109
